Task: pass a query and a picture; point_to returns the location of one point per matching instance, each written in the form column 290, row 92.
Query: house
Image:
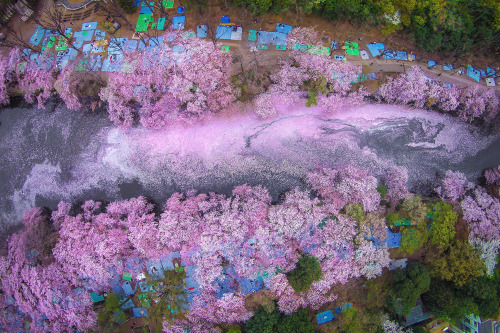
column 474, row 324
column 416, row 315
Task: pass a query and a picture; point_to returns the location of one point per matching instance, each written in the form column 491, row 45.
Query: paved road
column 271, row 57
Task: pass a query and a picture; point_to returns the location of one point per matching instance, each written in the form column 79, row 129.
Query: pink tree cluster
column 454, row 186
column 7, row 73
column 211, row 231
column 37, row 83
column 482, row 212
column 396, row 180
column 343, row 185
column 288, row 82
column 492, row 176
column 415, row 89
column 42, row 289
column 185, row 79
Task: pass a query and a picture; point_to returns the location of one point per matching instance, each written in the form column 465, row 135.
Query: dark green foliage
column 128, row 6
column 303, row 275
column 382, row 190
column 411, row 282
column 391, row 218
column 272, row 321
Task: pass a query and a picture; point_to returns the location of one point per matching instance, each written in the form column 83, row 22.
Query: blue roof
column 178, row 22
column 376, row 48
column 284, row 28
column 140, row 312
column 324, row 317
column 248, row 286
column 201, row 31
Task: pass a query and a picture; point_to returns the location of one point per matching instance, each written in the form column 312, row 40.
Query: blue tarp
column 271, row 37
column 146, row 11
column 372, row 76
column 114, row 63
column 334, row 45
column 201, row 31
column 156, row 41
column 167, row 263
column 223, row 32
column 178, row 22
column 94, row 64
column 144, row 286
column 395, row 55
column 324, row 317
column 376, row 49
column 248, row 286
column 284, row 28
column 99, row 34
column 225, row 19
column 473, row 73
column 87, row 48
column 448, row 67
column 339, row 57
column 180, row 10
column 128, row 304
column 117, row 45
column 131, row 46
column 127, row 288
column 393, row 239
column 154, row 269
column 191, row 284
column 89, row 25
column 431, row 64
column 140, row 312
column 37, row 36
column 225, row 285
column 142, row 44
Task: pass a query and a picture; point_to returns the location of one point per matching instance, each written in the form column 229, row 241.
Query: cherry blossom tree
column 396, row 179
column 185, row 81
column 340, row 186
column 7, row 73
column 482, row 212
column 454, row 186
column 37, row 83
column 488, row 251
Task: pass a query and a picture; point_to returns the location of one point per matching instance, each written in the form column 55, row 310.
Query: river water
column 57, row 154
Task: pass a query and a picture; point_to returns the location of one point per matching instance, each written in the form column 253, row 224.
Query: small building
column 324, row 317
column 399, row 263
column 474, row 324
column 416, row 315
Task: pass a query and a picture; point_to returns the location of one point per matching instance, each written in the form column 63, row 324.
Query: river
column 57, row 154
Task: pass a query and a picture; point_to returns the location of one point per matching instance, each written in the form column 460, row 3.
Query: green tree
column 271, row 320
column 355, row 211
column 459, row 263
column 414, row 210
column 305, row 273
column 296, row 322
column 128, row 6
column 411, row 282
column 443, row 223
column 413, row 238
